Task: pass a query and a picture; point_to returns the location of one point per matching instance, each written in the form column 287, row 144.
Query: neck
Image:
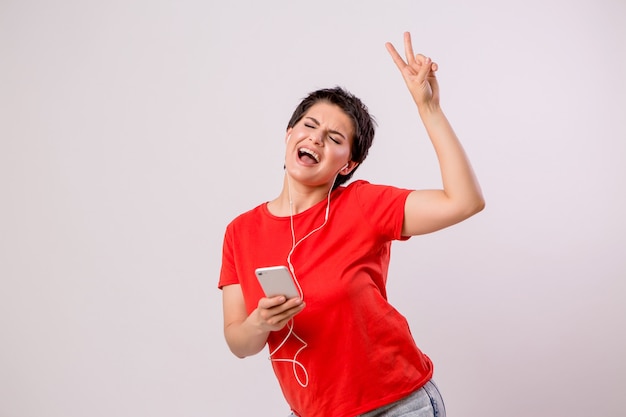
column 295, row 198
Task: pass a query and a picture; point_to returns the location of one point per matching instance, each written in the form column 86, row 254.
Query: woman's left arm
column 426, row 211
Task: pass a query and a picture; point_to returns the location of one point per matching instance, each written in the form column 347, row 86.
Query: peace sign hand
column 419, row 74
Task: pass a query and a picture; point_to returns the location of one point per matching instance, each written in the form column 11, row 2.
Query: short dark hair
column 363, row 123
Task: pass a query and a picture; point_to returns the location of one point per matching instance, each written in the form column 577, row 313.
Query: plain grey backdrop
column 132, row 132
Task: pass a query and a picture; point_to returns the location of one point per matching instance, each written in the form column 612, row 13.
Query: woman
column 340, row 349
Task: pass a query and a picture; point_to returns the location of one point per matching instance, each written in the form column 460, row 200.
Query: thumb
column 432, row 79
column 271, row 301
column 424, row 69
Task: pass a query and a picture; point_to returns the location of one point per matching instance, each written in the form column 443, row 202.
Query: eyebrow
column 336, row 132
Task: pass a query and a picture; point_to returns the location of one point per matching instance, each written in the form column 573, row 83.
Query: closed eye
column 315, row 124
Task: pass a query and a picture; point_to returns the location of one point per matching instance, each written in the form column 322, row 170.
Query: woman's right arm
column 245, row 334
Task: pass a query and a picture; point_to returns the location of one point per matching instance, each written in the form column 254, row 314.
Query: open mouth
column 308, row 156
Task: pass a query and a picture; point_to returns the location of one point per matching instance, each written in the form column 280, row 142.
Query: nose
column 316, row 137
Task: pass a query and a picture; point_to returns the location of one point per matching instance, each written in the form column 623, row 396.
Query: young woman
column 340, row 349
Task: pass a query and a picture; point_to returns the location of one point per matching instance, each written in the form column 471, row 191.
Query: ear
column 350, row 166
column 288, row 134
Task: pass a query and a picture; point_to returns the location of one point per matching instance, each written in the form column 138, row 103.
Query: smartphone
column 277, row 280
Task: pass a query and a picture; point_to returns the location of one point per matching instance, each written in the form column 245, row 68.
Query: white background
column 132, row 132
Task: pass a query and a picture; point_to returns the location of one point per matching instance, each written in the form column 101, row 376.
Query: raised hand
column 418, row 72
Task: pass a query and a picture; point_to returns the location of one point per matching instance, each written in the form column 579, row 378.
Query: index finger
column 395, row 56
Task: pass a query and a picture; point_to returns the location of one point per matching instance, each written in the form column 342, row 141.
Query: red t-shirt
column 360, row 353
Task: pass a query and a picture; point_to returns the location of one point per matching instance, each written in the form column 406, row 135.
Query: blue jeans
column 425, row 402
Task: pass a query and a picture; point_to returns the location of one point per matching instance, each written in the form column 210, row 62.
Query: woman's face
column 318, row 147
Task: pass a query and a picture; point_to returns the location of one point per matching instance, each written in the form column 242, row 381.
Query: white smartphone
column 277, row 280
